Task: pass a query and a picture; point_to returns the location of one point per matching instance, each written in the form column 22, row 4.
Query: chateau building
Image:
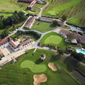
column 15, row 44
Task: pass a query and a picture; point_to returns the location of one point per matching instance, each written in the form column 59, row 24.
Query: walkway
column 42, row 9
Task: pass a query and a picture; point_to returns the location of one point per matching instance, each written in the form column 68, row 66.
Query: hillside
column 71, row 8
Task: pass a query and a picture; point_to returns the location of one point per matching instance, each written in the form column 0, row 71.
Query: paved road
column 73, row 28
column 42, row 9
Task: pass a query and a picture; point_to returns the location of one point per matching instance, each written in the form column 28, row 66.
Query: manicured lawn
column 32, row 66
column 74, row 21
column 66, row 27
column 55, row 39
column 13, row 74
column 43, row 26
column 52, row 39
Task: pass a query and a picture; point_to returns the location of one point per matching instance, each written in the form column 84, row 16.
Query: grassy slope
column 43, row 26
column 61, row 6
column 14, row 75
column 10, row 6
column 62, row 44
column 32, row 66
column 71, row 8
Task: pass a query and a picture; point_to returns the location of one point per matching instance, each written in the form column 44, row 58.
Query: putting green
column 32, row 66
column 53, row 39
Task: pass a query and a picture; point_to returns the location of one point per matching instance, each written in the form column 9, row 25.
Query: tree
column 60, row 51
column 1, row 25
column 70, row 37
column 5, row 33
column 64, row 17
column 13, row 27
column 55, row 22
column 78, row 56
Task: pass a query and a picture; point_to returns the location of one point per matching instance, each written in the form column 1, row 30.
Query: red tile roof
column 43, row 55
column 3, row 41
column 32, row 4
column 76, row 35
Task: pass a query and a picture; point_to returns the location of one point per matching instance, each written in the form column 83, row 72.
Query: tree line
column 5, row 23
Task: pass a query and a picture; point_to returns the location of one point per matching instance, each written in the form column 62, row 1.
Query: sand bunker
column 51, row 65
column 39, row 78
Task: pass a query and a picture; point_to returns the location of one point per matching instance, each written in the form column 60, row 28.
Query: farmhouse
column 78, row 37
column 30, row 22
column 46, row 19
column 15, row 44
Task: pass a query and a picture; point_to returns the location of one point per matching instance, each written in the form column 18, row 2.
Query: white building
column 30, row 22
column 42, row 56
column 15, row 44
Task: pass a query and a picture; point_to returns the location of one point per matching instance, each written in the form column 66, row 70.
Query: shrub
column 80, row 33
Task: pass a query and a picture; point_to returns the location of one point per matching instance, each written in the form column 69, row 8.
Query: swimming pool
column 81, row 51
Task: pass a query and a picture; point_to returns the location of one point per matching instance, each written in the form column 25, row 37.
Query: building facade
column 15, row 44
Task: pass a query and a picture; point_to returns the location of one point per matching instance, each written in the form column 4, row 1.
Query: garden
column 22, row 71
column 43, row 26
column 22, row 35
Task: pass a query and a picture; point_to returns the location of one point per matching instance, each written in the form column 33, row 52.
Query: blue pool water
column 80, row 51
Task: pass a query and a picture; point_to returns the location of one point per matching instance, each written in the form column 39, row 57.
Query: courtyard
column 43, row 26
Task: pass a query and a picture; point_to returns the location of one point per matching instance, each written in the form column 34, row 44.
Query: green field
column 43, row 26
column 52, row 39
column 55, row 39
column 74, row 21
column 13, row 74
column 32, row 66
column 12, row 5
column 71, row 8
